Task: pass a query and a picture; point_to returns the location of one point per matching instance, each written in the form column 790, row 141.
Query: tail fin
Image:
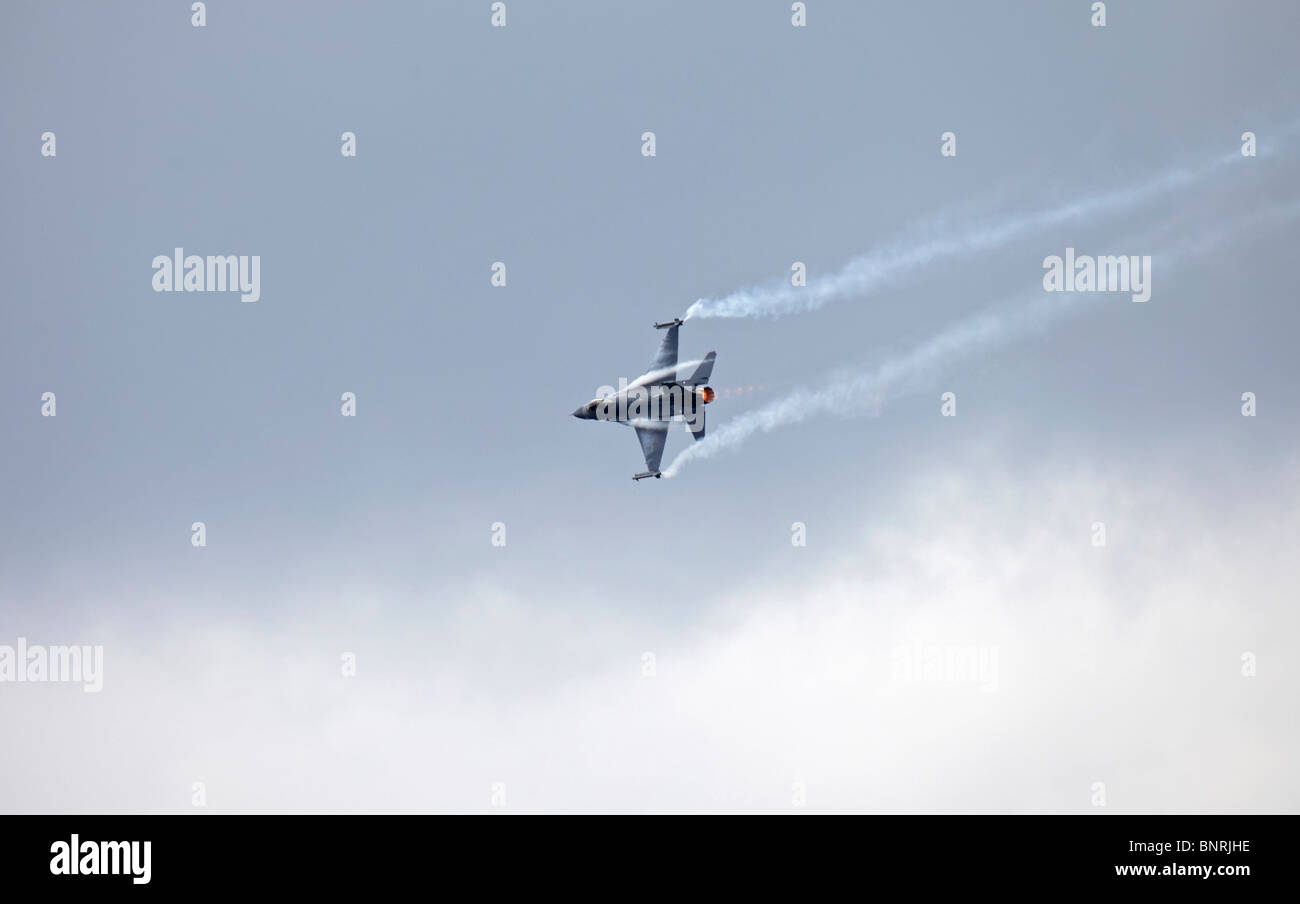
column 702, row 373
column 697, row 426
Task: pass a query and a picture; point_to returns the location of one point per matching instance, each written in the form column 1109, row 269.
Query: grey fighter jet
column 655, row 399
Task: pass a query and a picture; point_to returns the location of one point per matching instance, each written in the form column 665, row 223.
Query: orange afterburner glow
column 708, row 394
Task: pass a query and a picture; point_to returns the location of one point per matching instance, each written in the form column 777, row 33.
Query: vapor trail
column 880, row 267
column 670, row 372
column 868, row 390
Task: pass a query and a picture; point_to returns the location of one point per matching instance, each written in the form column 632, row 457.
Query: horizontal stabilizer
column 696, row 426
column 703, row 372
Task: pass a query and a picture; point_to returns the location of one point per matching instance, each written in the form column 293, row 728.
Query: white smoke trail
column 847, row 394
column 868, row 390
column 883, row 266
column 681, row 369
column 672, row 372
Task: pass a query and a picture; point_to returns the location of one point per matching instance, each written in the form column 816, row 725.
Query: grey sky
column 522, row 144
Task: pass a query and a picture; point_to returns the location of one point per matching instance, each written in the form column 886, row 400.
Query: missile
column 676, row 321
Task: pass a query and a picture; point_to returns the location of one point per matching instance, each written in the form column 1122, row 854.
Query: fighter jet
column 656, row 398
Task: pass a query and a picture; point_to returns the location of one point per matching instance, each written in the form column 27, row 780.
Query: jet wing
column 652, row 437
column 663, row 369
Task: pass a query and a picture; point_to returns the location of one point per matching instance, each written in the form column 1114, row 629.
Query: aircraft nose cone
column 581, row 411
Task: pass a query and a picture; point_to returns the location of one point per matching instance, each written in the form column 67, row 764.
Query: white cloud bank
column 1120, row 665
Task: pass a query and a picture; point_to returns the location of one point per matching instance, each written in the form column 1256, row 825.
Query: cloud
column 1119, row 665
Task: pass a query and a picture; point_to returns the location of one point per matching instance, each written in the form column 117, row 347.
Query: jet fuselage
column 659, row 402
